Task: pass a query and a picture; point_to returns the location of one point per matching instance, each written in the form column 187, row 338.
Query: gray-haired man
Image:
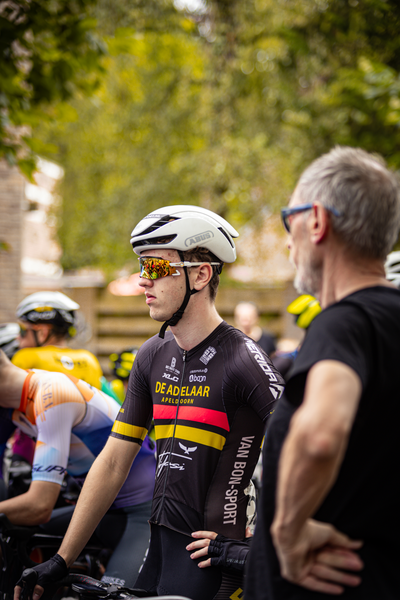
column 329, row 515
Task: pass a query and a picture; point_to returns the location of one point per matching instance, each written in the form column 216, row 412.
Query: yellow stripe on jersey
column 191, row 434
column 129, row 430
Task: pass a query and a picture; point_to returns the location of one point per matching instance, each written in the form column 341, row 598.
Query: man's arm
column 313, row 554
column 34, row 506
column 101, row 486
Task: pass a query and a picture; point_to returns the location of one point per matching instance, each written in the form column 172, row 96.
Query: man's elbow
column 46, row 515
column 322, row 441
column 322, row 445
column 41, row 514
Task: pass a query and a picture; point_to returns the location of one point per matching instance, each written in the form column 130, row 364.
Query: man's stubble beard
column 308, row 277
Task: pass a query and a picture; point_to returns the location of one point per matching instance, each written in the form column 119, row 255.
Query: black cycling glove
column 49, row 572
column 229, row 554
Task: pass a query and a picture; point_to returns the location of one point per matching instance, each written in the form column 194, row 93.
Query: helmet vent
column 158, row 224
column 226, row 235
column 156, row 240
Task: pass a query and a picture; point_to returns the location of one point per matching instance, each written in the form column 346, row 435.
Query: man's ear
column 43, row 332
column 203, row 275
column 318, row 223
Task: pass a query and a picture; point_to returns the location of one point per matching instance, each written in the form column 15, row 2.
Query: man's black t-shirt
column 362, row 331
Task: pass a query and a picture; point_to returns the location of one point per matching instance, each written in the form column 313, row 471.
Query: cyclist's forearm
column 102, row 484
column 34, row 507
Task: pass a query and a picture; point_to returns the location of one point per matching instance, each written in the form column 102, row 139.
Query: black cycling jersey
column 209, row 406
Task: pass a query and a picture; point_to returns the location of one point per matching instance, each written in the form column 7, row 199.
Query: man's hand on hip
column 319, row 558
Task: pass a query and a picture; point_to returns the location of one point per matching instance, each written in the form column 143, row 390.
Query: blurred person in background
column 121, row 365
column 9, row 333
column 47, row 321
column 392, row 268
column 71, row 421
column 246, row 317
column 304, row 309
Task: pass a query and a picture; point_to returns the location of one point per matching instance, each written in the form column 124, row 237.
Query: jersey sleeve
column 58, row 405
column 134, row 418
column 251, row 379
column 342, row 333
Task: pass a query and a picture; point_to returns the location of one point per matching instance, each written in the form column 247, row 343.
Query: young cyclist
column 210, row 390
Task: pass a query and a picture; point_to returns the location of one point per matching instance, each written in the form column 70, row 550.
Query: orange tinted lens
column 154, row 268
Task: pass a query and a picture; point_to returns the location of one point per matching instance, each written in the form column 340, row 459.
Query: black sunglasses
column 287, row 212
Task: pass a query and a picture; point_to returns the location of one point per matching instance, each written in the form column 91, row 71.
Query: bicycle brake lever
column 27, row 582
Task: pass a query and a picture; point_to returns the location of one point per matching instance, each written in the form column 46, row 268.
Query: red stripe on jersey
column 204, row 415
column 160, row 411
column 192, row 413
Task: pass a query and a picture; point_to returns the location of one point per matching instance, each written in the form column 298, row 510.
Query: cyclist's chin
column 158, row 315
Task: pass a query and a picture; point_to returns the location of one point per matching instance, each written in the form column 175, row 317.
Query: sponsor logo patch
column 198, row 378
column 186, row 449
column 208, row 355
column 171, row 368
column 67, row 363
column 197, row 239
column 170, row 377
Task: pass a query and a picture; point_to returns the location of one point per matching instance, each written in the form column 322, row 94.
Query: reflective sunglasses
column 287, row 212
column 153, row 268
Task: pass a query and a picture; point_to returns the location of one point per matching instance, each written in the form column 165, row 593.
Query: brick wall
column 12, row 186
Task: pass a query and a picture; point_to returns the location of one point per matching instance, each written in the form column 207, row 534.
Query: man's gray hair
column 365, row 193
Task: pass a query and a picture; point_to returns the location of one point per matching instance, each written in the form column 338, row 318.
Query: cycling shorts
column 169, row 570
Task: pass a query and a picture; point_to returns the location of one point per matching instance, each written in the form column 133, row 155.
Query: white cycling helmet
column 392, row 268
column 184, row 227
column 8, row 338
column 53, row 308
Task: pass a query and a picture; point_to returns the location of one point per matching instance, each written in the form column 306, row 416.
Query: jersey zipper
column 172, row 439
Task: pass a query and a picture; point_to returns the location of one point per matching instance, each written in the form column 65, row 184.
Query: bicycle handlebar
column 90, row 588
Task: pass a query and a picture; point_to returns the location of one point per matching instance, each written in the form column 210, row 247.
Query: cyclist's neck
column 193, row 329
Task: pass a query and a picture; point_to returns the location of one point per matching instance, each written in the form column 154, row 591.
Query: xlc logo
column 208, row 355
column 200, row 237
column 170, row 377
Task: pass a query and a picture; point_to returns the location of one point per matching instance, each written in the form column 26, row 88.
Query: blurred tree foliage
column 48, row 49
column 221, row 108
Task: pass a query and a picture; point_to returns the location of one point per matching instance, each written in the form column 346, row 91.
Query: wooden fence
column 117, row 322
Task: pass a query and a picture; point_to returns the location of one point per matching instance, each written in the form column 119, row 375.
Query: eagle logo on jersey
column 186, row 449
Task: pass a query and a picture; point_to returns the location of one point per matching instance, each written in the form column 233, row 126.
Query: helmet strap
column 35, row 335
column 179, row 313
